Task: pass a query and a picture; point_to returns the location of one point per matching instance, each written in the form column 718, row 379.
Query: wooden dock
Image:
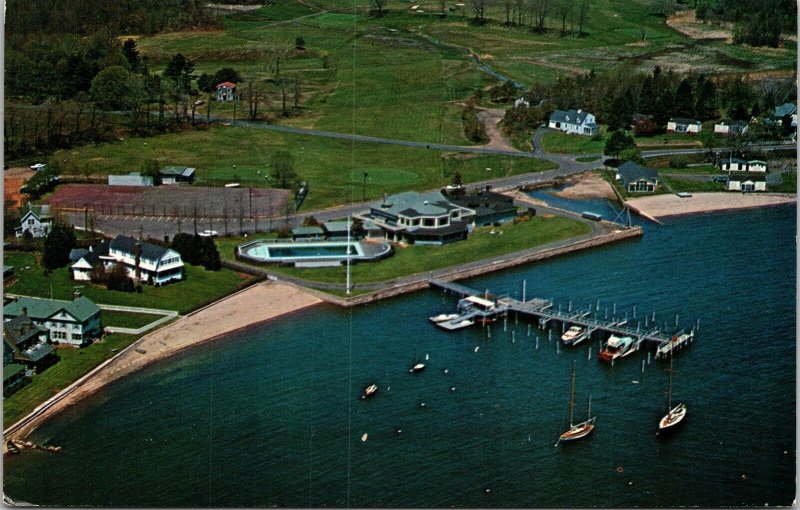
column 544, row 311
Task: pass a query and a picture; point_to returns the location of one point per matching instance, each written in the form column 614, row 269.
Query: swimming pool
column 304, row 252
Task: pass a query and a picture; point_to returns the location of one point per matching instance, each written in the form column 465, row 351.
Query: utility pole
column 364, row 189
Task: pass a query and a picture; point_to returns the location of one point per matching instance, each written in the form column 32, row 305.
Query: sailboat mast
column 572, row 394
column 589, row 409
column 669, row 393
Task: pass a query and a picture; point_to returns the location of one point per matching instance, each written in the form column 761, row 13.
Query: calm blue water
column 271, row 416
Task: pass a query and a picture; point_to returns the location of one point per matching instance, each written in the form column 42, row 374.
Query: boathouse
column 746, row 181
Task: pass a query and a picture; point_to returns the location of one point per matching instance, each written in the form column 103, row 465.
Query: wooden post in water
column 634, row 311
column 524, row 285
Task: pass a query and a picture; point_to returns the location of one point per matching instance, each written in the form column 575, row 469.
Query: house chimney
column 24, row 310
column 76, row 294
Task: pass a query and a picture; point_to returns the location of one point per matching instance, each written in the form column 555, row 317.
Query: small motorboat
column 418, row 367
column 617, row 347
column 370, row 390
column 442, row 317
column 571, row 334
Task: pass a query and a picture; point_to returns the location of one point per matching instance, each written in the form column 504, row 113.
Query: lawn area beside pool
column 481, row 244
column 73, row 364
column 199, row 288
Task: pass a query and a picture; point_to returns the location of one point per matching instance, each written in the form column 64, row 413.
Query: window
column 31, row 221
column 77, row 336
column 428, row 222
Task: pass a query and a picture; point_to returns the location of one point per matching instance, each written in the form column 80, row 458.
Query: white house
column 731, row 127
column 84, row 261
column 679, row 125
column 740, row 165
column 636, row 178
column 577, row 122
column 37, row 220
column 226, row 91
column 746, row 181
column 72, row 322
column 156, row 264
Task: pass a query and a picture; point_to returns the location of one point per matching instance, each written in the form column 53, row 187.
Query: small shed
column 731, row 127
column 177, row 174
column 307, row 234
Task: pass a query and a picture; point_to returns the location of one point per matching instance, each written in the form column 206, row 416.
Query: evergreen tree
column 180, row 70
column 684, row 99
column 131, row 54
column 57, row 245
column 618, row 142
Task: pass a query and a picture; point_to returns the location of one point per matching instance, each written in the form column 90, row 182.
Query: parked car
column 208, row 233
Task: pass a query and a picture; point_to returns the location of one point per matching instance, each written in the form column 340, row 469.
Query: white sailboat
column 577, row 430
column 675, row 415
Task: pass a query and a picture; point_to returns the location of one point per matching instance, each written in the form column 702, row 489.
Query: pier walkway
column 545, row 311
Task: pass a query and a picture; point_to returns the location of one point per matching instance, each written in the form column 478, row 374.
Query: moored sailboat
column 675, row 415
column 577, row 430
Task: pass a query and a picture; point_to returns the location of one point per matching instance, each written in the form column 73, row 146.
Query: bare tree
column 508, row 9
column 297, row 92
column 276, row 55
column 583, row 15
column 519, row 6
column 479, row 8
column 442, row 6
column 254, row 95
column 539, row 10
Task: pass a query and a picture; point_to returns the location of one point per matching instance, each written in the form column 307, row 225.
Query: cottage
column 636, row 178
column 28, row 343
column 731, row 127
column 746, row 181
column 38, row 220
column 489, row 207
column 419, row 218
column 307, row 234
column 680, row 125
column 132, row 179
column 740, row 165
column 226, row 91
column 71, row 322
column 153, row 264
column 577, row 122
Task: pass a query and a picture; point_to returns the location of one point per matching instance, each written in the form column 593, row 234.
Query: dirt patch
column 686, row 22
column 586, row 186
column 13, row 179
column 490, row 118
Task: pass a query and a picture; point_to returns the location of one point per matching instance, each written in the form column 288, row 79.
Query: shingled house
column 152, row 264
column 38, row 220
column 27, row 344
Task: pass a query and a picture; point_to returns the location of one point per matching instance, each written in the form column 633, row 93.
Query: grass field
column 128, row 319
column 333, row 168
column 788, row 185
column 199, row 288
column 73, row 364
column 562, row 143
column 413, row 259
column 677, row 184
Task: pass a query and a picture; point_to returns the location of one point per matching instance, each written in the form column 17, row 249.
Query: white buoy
column 642, row 366
column 477, row 347
column 537, row 343
column 513, row 341
column 529, row 330
column 489, row 331
column 589, row 356
column 427, row 357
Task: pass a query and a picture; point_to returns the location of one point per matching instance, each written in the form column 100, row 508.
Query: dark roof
column 785, row 109
column 722, row 161
column 307, row 231
column 76, row 254
column 41, row 211
column 681, row 120
column 11, row 370
column 748, row 176
column 732, row 123
column 126, row 244
column 452, row 228
column 630, row 171
column 570, row 116
column 486, row 202
column 20, row 329
column 183, row 171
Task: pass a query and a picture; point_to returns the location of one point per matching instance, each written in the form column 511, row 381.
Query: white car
column 208, row 233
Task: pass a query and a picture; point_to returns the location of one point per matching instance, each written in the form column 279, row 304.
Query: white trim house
column 746, row 181
column 156, row 265
column 37, row 220
column 732, row 127
column 226, row 91
column 679, row 125
column 577, row 122
column 71, row 322
column 740, row 165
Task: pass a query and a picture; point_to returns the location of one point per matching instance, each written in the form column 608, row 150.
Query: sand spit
column 661, row 206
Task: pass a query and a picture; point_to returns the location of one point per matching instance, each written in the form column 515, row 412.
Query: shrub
column 678, row 162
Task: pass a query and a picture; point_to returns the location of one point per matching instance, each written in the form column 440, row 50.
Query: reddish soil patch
column 183, row 201
column 13, row 179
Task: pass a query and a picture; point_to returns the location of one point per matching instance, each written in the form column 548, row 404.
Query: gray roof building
column 636, row 177
column 40, row 308
column 127, row 245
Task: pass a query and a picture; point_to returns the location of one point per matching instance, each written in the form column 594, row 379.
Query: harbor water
column 272, row 415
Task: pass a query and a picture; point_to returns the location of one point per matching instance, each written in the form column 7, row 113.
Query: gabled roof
column 681, row 120
column 126, row 244
column 183, row 171
column 748, row 176
column 336, row 226
column 785, row 109
column 316, row 231
column 40, row 308
column 41, row 211
column 411, row 203
column 732, row 123
column 21, row 328
column 569, row 116
column 76, row 254
column 739, row 161
column 630, row 171
column 226, row 84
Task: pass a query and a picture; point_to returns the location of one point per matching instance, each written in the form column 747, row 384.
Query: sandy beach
column 586, row 186
column 662, row 206
column 253, row 305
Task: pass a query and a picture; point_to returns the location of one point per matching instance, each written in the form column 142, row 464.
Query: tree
column 563, row 11
column 151, row 168
column 583, row 15
column 11, row 217
column 684, row 99
column 618, row 142
column 621, row 114
column 110, row 88
column 299, row 43
column 226, row 74
column 131, row 54
column 57, row 245
column 479, row 8
column 283, row 171
column 180, row 70
column 379, row 4
column 311, row 221
column 539, row 11
column 117, row 279
column 631, row 154
column 205, row 83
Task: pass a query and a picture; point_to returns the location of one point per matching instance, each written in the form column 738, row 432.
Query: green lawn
column 333, row 168
column 128, row 319
column 416, row 259
column 199, row 288
column 789, row 184
column 700, row 169
column 679, row 185
column 562, row 143
column 73, row 364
